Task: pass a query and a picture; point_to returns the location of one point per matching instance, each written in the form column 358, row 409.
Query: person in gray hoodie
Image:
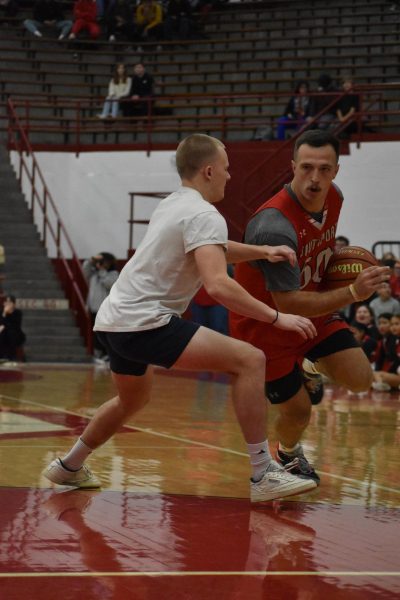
column 101, row 273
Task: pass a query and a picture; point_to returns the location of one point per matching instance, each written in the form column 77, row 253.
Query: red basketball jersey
column 315, row 247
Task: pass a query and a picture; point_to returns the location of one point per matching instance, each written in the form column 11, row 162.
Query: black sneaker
column 297, row 464
column 312, row 382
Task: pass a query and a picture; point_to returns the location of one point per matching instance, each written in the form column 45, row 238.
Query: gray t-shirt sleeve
column 271, row 227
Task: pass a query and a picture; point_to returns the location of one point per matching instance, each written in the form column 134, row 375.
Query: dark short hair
column 11, row 297
column 343, row 238
column 360, row 326
column 317, row 139
column 386, row 316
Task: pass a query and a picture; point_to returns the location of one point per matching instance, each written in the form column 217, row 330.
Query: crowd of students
column 130, row 20
column 376, row 326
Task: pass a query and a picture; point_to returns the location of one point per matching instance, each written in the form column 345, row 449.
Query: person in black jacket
column 120, row 21
column 11, row 334
column 142, row 87
column 48, row 13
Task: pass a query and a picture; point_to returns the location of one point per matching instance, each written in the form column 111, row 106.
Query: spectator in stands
column 384, row 302
column 323, row 100
column 119, row 87
column 142, row 86
column 47, row 14
column 388, row 256
column 85, row 18
column 149, row 20
column 367, row 343
column 341, row 242
column 394, row 280
column 11, row 335
column 120, row 21
column 178, row 20
column 387, row 365
column 347, row 107
column 297, row 111
column 365, row 315
column 101, row 273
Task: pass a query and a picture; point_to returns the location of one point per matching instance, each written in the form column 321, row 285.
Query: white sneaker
column 277, row 483
column 309, row 367
column 381, row 386
column 83, row 478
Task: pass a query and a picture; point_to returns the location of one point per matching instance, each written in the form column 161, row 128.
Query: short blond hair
column 194, row 151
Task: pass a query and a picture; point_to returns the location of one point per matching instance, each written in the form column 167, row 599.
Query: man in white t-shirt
column 186, row 246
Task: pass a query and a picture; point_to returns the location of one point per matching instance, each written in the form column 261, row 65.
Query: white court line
column 201, row 444
column 206, row 574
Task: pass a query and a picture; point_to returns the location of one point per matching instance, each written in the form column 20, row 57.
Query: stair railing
column 54, row 235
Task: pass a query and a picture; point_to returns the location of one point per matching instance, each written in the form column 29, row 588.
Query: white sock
column 260, row 458
column 288, row 449
column 76, row 456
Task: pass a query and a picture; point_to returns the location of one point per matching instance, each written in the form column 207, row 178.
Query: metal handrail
column 69, row 270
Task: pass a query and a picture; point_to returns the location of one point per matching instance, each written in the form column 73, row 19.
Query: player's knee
column 252, row 359
column 360, row 381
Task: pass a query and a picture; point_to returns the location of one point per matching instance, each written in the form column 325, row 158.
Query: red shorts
column 283, row 349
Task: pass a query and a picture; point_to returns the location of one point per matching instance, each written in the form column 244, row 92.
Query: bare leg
column 350, row 368
column 133, row 395
column 212, row 351
column 391, row 378
column 293, row 418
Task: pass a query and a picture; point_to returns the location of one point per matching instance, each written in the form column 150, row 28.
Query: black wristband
column 276, row 318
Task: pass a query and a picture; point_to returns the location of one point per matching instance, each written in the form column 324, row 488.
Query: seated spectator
column 101, row 273
column 394, row 280
column 85, row 18
column 341, row 241
column 323, row 100
column 384, row 302
column 346, row 107
column 148, row 20
column 367, row 343
column 364, row 314
column 119, row 87
column 11, row 335
column 387, row 365
column 178, row 20
column 388, row 256
column 141, row 87
column 120, row 21
column 297, row 111
column 47, row 14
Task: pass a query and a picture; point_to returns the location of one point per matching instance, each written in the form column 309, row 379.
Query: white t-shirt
column 161, row 278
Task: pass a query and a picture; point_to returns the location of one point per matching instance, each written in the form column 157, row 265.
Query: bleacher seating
column 259, row 48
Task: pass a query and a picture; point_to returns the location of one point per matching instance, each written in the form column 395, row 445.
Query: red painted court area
column 98, row 544
column 173, row 519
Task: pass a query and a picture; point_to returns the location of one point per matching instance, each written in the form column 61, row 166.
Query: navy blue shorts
column 131, row 351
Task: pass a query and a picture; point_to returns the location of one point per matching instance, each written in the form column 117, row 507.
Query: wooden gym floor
column 173, row 519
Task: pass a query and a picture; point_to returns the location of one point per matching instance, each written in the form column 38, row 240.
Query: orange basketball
column 345, row 265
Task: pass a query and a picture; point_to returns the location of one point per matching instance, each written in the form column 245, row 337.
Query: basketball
column 345, row 265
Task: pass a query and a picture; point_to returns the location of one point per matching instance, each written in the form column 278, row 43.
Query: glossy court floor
column 173, row 519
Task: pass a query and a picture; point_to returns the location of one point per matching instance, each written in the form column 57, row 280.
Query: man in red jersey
column 304, row 215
